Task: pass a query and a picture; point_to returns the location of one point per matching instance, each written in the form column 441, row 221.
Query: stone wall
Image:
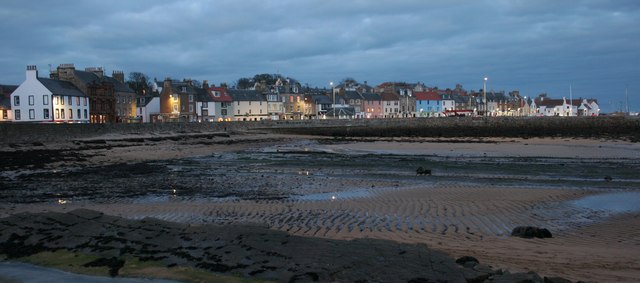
column 588, row 127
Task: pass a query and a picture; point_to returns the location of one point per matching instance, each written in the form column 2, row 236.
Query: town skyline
column 541, row 47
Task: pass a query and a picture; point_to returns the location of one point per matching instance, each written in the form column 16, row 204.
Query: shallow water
column 614, row 202
column 23, row 272
column 335, row 195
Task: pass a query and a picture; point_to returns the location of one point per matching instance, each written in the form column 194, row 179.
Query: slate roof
column 387, row 96
column 58, row 87
column 321, row 99
column 350, row 94
column 142, row 101
column 245, row 95
column 370, row 96
column 89, row 78
column 348, row 111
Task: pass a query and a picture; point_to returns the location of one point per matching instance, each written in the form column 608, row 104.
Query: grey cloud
column 533, row 46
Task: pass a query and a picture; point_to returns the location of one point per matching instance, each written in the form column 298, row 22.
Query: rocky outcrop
column 530, row 232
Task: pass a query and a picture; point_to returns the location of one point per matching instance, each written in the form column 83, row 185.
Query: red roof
column 427, row 95
column 388, row 96
column 223, row 97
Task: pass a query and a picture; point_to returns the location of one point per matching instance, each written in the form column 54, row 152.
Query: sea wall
column 627, row 128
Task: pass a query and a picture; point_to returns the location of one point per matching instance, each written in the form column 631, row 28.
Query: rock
column 473, row 276
column 530, row 232
column 529, row 277
column 556, row 280
column 423, row 171
column 465, row 260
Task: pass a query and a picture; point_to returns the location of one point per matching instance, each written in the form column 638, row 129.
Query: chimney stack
column 167, row 83
column 32, row 72
column 98, row 71
column 118, row 75
column 205, row 84
column 66, row 72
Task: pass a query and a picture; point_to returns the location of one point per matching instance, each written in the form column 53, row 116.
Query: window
column 45, row 100
column 205, row 104
column 184, row 89
column 238, row 111
column 175, row 97
column 238, row 103
column 16, row 114
column 223, row 112
column 70, row 100
column 5, row 115
column 85, row 103
column 79, row 114
column 62, row 100
column 249, row 103
column 61, row 113
column 78, row 101
column 32, row 100
column 190, row 97
column 57, row 113
column 216, row 93
column 85, row 113
column 175, row 108
column 32, row 114
column 16, row 102
column 190, row 107
column 141, row 100
column 57, row 100
column 45, row 113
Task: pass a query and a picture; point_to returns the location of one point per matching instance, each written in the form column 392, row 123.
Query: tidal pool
column 614, row 202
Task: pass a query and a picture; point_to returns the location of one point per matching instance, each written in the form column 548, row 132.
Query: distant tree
column 244, row 83
column 139, row 83
column 196, row 83
column 349, row 82
column 224, row 85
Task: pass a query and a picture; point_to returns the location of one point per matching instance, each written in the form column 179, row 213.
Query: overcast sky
column 529, row 45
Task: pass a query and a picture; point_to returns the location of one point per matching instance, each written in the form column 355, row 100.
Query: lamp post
column 484, row 90
column 333, row 108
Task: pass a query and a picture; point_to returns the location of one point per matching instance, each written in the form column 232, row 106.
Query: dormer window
column 184, row 89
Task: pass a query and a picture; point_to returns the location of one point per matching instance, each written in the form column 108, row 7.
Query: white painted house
column 47, row 100
column 249, row 105
column 147, row 107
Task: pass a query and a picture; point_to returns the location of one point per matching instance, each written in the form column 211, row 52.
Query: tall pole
column 626, row 93
column 334, row 100
column 484, row 90
column 570, row 101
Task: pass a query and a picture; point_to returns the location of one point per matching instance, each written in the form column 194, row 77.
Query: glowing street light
column 484, row 90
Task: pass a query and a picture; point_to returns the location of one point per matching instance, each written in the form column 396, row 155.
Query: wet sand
column 458, row 213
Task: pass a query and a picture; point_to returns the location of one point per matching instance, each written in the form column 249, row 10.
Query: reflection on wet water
column 615, row 202
column 335, row 195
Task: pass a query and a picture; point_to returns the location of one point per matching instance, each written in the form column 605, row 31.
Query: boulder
column 530, row 232
column 467, row 261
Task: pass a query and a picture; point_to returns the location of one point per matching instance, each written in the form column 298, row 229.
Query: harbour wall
column 627, row 128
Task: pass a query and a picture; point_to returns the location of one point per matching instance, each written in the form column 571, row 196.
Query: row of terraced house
column 90, row 96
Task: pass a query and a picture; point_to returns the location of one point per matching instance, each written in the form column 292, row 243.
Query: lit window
column 57, row 113
column 62, row 113
column 70, row 113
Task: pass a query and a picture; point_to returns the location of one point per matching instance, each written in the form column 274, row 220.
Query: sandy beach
column 480, row 189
